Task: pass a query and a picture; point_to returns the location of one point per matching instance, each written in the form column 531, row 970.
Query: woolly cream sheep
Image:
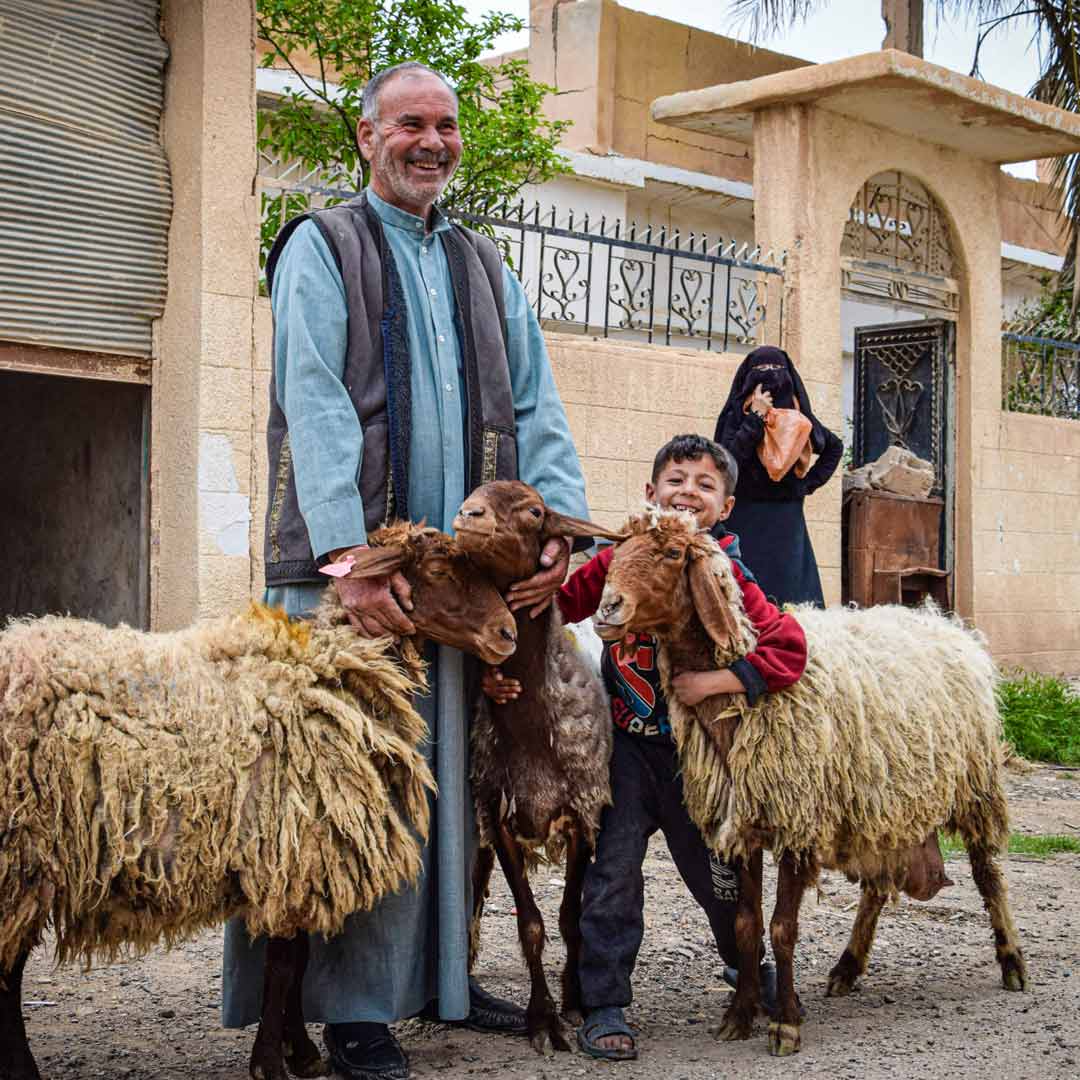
column 892, row 732
column 539, row 763
column 152, row 785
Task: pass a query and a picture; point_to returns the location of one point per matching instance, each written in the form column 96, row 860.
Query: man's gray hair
column 379, row 80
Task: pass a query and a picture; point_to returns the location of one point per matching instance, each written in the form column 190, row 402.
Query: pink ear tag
column 340, row 568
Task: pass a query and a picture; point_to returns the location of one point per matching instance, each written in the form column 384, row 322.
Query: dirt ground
column 930, row 1006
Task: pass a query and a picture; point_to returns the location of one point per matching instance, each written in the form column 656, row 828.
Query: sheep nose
column 508, row 635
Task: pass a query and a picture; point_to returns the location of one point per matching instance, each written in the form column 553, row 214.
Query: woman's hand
column 760, row 401
column 499, row 688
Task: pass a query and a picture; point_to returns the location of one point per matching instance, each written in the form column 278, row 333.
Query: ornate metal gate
column 901, row 387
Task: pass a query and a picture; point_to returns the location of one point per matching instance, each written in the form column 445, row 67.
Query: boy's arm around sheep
column 778, row 659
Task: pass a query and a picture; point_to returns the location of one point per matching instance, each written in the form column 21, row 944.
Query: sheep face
column 662, row 577
column 453, row 604
column 504, row 525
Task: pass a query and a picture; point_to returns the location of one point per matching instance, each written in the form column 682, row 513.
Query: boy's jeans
column 646, row 793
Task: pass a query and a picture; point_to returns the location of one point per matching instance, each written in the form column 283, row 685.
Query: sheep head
column 453, row 603
column 504, row 525
column 666, row 573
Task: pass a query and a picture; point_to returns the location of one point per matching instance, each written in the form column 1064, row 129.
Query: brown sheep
column 891, row 733
column 152, row 785
column 540, row 762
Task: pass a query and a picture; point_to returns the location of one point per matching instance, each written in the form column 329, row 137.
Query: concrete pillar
column 572, row 47
column 201, row 405
column 903, row 25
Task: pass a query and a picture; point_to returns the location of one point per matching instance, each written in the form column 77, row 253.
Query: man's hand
column 498, row 687
column 376, row 606
column 536, row 592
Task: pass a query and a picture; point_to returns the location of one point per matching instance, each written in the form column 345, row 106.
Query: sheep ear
column 556, row 524
column 710, row 603
column 376, row 561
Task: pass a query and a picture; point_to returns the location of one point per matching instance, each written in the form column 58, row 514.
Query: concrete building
column 878, row 225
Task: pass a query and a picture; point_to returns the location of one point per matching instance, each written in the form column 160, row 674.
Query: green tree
column 508, row 141
column 1055, row 25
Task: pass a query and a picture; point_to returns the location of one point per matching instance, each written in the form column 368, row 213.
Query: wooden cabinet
column 893, row 547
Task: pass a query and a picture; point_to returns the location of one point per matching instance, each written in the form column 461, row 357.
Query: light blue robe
column 413, row 947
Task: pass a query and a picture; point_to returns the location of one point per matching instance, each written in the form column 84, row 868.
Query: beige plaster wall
column 1029, row 215
column 1026, row 517
column 201, row 435
column 609, row 63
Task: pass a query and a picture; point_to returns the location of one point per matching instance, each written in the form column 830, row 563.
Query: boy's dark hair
column 692, row 448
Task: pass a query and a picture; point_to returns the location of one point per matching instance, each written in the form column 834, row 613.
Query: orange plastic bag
column 786, row 444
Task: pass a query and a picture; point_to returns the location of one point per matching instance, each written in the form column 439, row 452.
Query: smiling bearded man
column 408, row 369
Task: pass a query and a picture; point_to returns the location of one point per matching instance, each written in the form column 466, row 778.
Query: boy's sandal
column 600, row 1024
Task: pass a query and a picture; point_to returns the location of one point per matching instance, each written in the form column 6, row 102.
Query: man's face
column 414, row 145
column 695, row 485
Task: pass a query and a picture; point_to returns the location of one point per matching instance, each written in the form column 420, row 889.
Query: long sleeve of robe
column 413, row 947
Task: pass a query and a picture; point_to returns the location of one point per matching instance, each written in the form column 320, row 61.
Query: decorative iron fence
column 1040, row 375
column 610, row 278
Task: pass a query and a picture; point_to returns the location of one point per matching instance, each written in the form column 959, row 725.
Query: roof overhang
column 892, row 90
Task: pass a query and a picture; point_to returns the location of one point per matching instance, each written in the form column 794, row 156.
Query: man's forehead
column 411, row 94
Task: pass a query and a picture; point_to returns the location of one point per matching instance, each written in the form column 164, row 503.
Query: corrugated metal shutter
column 84, row 184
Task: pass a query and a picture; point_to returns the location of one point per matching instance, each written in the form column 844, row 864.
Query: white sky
column 841, row 28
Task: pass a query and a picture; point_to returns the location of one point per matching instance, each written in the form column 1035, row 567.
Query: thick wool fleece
column 155, row 784
column 891, row 732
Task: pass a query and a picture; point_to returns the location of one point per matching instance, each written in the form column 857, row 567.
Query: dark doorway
column 896, row 548
column 901, row 391
column 74, row 478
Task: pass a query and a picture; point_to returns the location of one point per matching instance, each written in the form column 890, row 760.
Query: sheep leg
column 578, row 853
column 16, row 1061
column 991, row 885
column 738, row 1020
column 794, row 876
column 267, row 1056
column 545, row 1031
column 301, row 1054
column 481, row 876
column 854, row 958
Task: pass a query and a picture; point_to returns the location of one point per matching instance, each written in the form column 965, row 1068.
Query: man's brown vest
column 377, row 377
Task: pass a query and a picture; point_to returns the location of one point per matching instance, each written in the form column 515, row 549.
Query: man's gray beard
column 398, row 182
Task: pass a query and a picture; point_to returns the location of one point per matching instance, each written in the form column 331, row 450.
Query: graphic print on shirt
column 633, row 681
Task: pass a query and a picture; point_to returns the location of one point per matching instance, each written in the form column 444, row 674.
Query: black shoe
column 486, row 1013
column 767, row 975
column 365, row 1051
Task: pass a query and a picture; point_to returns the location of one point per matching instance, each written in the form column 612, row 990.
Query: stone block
column 225, row 461
column 988, row 510
column 224, row 584
column 1036, row 434
column 225, row 399
column 1066, row 513
column 1028, row 512
column 989, row 551
column 1067, row 437
column 227, row 331
column 605, row 483
column 1018, row 472
column 629, row 126
column 1065, row 551
column 903, row 473
column 830, row 584
column 264, row 335
column 987, row 429
column 991, row 593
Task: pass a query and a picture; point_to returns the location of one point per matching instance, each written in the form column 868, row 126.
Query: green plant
column 1041, row 717
column 1019, row 844
column 508, row 141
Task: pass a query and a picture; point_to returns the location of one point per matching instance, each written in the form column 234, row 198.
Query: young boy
column 694, row 474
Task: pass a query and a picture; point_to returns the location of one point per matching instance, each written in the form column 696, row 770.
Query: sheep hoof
column 838, row 986
column 734, row 1026
column 784, row 1039
column 573, row 1017
column 315, row 1065
column 1014, row 978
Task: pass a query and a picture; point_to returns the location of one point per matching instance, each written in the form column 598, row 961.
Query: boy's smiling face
column 696, row 485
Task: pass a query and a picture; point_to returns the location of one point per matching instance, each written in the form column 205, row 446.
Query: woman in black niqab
column 768, row 515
